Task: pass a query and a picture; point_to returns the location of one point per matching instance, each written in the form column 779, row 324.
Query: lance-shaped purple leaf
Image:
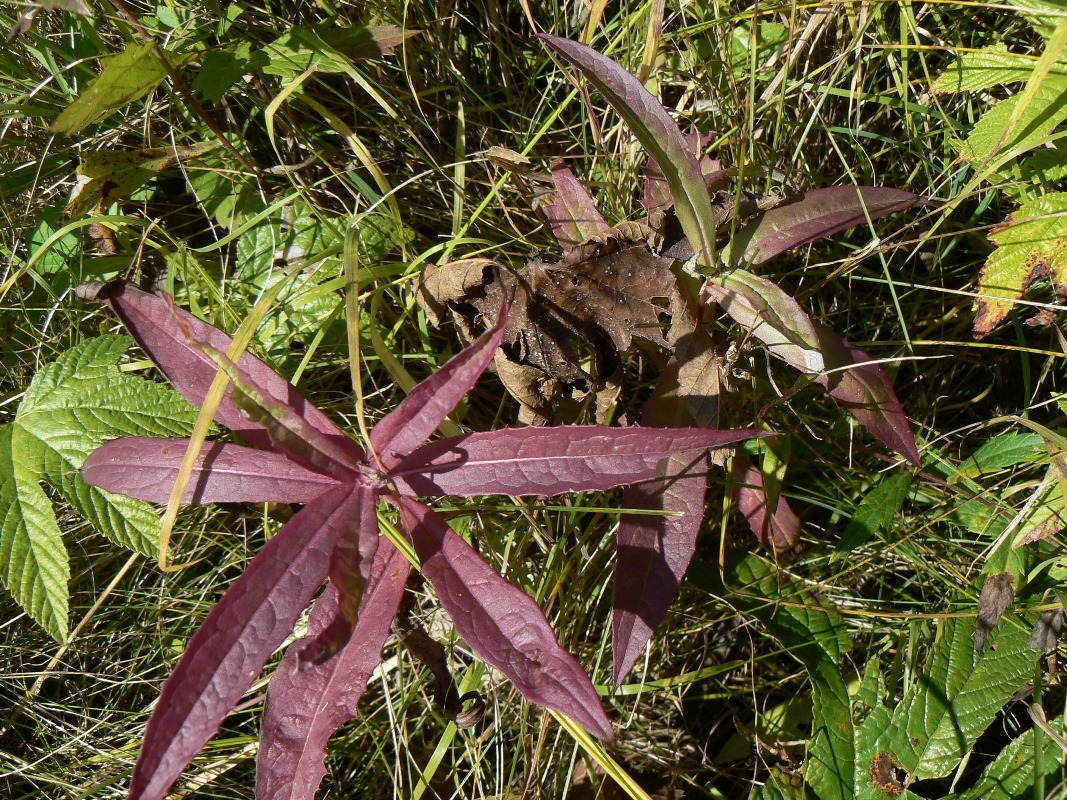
column 427, row 405
column 155, row 326
column 242, row 631
column 810, row 216
column 349, row 571
column 501, row 623
column 305, row 708
column 779, row 529
column 657, row 132
column 653, row 553
column 847, row 373
column 550, row 461
column 146, row 468
column 573, row 215
column 653, row 550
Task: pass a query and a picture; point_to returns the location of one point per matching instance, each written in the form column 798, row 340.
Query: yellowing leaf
column 108, row 175
column 124, row 78
column 1031, row 245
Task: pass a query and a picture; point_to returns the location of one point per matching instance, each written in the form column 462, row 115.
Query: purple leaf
column 242, row 631
column 654, row 552
column 810, row 216
column 350, row 571
column 550, row 461
column 145, row 468
column 155, row 327
column 428, row 404
column 778, row 530
column 777, row 320
column 502, row 624
column 305, row 708
column 657, row 132
column 573, row 215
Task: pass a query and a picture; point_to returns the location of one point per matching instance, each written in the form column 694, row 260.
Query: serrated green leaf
column 1032, row 245
column 70, row 408
column 1044, row 16
column 1037, row 121
column 874, row 512
column 1011, row 775
column 33, row 561
column 957, row 696
column 983, row 69
column 123, row 78
column 817, row 637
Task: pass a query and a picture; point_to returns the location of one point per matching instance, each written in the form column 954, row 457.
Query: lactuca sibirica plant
column 297, row 455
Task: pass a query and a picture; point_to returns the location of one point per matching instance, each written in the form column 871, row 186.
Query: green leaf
column 957, row 696
column 1011, row 775
column 816, row 636
column 70, row 408
column 1031, row 245
column 33, row 561
column 1003, row 451
column 123, row 78
column 1037, row 120
column 875, row 512
column 983, row 69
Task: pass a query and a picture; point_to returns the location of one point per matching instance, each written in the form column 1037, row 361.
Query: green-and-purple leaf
column 777, row 320
column 145, row 468
column 810, row 216
column 156, row 328
column 549, row 461
column 778, row 530
column 304, row 708
column 501, row 623
column 350, row 572
column 427, row 405
column 657, row 132
column 573, row 215
column 242, row 631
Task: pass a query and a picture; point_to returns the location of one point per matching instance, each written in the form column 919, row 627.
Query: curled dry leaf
column 590, row 303
column 998, row 593
column 1047, row 630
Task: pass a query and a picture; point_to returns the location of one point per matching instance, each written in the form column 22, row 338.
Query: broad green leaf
column 875, row 512
column 70, row 408
column 1037, row 121
column 33, row 561
column 816, row 636
column 1032, row 244
column 123, row 78
column 957, row 696
column 1006, row 450
column 111, row 175
column 329, row 49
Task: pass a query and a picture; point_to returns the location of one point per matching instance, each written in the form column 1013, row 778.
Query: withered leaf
column 998, row 593
column 569, row 320
column 1047, row 630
